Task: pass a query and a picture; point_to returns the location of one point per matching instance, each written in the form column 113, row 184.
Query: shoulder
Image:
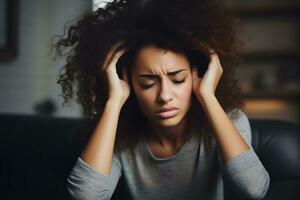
column 237, row 115
column 241, row 121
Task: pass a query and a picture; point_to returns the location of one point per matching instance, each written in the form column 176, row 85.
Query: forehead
column 155, row 60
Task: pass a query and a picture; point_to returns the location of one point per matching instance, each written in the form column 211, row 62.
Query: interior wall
column 31, row 77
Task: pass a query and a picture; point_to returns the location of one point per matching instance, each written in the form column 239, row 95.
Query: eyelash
column 176, row 82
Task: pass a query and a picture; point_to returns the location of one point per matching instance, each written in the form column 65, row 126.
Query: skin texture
column 170, row 25
column 168, row 135
column 91, row 38
column 163, row 91
column 99, row 150
column 229, row 140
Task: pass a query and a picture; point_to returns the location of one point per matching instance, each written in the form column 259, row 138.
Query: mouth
column 168, row 113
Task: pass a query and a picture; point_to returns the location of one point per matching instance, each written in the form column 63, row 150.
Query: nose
column 165, row 93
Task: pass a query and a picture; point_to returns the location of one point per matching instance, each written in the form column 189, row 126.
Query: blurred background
column 269, row 73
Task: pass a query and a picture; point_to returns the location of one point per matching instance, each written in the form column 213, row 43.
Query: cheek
column 146, row 102
column 184, row 94
column 144, row 98
column 186, row 89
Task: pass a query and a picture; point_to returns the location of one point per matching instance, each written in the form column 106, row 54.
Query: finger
column 194, row 74
column 125, row 75
column 210, row 52
column 214, row 60
column 112, row 54
column 196, row 79
column 210, row 49
column 115, row 57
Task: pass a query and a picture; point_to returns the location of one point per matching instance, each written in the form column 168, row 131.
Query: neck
column 169, row 136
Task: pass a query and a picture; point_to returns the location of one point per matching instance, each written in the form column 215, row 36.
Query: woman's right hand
column 118, row 89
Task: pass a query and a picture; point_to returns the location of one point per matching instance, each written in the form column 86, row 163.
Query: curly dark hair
column 185, row 26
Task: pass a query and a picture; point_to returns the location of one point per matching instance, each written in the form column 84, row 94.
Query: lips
column 167, row 112
column 167, row 109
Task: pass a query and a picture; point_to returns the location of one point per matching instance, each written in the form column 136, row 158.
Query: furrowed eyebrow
column 155, row 75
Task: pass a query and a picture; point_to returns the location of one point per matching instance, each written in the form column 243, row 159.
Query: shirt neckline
column 182, row 149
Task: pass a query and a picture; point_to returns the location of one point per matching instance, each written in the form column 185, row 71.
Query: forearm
column 230, row 142
column 99, row 150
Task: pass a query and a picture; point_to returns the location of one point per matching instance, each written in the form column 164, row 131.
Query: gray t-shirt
column 192, row 173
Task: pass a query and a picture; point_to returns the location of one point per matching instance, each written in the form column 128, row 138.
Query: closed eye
column 147, row 86
column 178, row 82
column 150, row 85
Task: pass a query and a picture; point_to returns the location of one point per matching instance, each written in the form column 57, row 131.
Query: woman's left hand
column 206, row 86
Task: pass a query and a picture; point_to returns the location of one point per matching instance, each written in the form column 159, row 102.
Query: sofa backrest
column 37, row 154
column 277, row 144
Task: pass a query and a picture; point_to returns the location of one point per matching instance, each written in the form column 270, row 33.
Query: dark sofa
column 38, row 152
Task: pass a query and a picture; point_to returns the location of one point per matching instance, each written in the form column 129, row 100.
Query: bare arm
column 230, row 141
column 99, row 150
column 241, row 164
column 97, row 171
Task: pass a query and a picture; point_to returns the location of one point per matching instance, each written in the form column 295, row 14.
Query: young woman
column 157, row 79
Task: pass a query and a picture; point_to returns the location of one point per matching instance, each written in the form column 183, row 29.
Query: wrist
column 206, row 99
column 114, row 103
